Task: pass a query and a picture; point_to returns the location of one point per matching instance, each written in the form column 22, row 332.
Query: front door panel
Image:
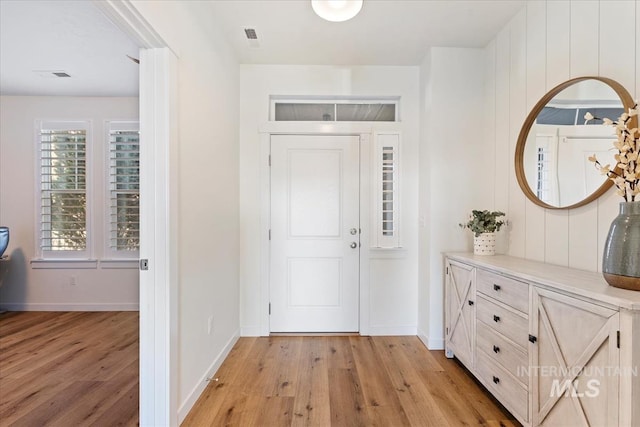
column 315, row 243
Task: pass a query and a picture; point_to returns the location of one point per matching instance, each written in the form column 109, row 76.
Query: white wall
column 393, row 281
column 456, row 171
column 547, row 43
column 208, row 190
column 26, row 288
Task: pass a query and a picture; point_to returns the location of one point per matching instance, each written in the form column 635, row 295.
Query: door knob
column 353, row 231
column 353, row 245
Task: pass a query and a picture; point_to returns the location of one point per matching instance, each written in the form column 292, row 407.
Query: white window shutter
column 386, row 230
column 63, row 210
column 124, row 188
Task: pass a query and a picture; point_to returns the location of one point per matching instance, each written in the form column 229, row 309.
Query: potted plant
column 484, row 225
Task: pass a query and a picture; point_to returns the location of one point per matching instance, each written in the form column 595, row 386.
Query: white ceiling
column 386, row 32
column 75, row 37
column 70, row 36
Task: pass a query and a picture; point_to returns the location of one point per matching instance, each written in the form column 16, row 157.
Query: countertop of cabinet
column 569, row 280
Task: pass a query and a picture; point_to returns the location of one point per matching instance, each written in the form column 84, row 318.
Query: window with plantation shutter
column 63, row 210
column 124, row 189
column 387, row 183
column 388, row 190
column 543, row 174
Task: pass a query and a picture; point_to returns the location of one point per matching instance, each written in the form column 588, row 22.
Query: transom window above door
column 334, row 110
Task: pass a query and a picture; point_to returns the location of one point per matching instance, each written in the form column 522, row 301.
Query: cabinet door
column 575, row 361
column 460, row 312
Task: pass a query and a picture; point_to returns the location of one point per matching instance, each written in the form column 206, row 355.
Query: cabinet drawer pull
column 470, row 302
column 496, row 380
column 496, row 349
column 496, row 318
column 496, row 287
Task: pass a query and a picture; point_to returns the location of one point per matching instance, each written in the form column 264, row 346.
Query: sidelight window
column 387, row 194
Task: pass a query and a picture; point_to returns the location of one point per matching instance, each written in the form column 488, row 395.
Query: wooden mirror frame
column 627, row 102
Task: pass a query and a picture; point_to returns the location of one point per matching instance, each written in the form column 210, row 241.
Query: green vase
column 621, row 260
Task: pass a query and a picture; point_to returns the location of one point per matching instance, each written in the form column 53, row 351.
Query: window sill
column 64, row 263
column 130, row 264
column 382, row 253
column 86, row 264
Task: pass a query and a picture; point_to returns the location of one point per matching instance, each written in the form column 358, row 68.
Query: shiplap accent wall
column 545, row 44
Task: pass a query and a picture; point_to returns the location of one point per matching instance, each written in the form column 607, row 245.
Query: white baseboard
column 191, row 399
column 250, row 331
column 431, row 343
column 12, row 306
column 392, row 330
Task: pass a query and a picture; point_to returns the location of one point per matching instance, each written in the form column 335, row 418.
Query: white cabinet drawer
column 503, row 352
column 576, row 323
column 511, row 325
column 508, row 391
column 504, row 289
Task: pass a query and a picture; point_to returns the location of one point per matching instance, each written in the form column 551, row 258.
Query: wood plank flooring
column 69, row 369
column 343, row 381
column 81, row 369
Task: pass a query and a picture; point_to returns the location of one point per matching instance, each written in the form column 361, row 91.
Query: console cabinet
column 460, row 312
column 577, row 345
column 556, row 346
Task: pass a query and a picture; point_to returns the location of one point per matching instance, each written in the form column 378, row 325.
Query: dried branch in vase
column 626, row 173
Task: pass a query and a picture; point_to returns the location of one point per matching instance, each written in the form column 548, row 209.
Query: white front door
column 315, row 233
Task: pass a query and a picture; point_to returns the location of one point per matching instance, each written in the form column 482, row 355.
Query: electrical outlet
column 210, row 325
column 73, row 280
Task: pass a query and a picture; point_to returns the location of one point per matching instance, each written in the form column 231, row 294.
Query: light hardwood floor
column 68, row 369
column 343, row 381
column 81, row 369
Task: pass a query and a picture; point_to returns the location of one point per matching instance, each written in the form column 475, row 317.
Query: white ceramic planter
column 484, row 244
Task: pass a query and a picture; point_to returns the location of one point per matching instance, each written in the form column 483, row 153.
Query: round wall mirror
column 554, row 145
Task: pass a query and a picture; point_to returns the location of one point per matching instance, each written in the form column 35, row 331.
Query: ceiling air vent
column 51, row 74
column 252, row 37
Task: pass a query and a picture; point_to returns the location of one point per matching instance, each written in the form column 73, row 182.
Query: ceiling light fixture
column 336, row 10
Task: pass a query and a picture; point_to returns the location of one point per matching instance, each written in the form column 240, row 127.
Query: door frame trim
column 364, row 131
column 158, row 305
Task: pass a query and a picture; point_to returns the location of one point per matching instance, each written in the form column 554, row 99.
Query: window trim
column 109, row 126
column 53, row 124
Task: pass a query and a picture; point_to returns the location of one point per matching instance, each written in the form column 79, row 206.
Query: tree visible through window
column 124, row 183
column 63, row 192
